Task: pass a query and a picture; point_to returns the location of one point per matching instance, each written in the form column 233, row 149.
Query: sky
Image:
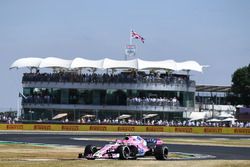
column 211, row 32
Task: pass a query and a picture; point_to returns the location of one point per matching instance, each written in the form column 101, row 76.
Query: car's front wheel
column 124, row 152
column 89, row 150
column 161, row 152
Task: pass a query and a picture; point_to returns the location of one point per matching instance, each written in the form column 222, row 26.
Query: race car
column 130, row 147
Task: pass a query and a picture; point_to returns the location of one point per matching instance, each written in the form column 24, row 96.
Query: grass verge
column 27, row 155
column 115, row 163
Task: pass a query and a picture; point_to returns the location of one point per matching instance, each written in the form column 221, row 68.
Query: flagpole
column 130, row 42
column 130, row 37
column 130, row 49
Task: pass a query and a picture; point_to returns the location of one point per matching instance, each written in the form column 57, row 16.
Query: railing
column 105, row 78
column 105, row 86
column 109, row 107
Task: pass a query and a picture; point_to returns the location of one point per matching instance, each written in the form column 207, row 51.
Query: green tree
column 241, row 85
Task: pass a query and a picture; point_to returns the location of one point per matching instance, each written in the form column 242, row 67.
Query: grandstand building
column 106, row 88
column 213, row 101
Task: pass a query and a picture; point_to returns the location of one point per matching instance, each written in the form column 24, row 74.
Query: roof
column 27, row 62
column 212, row 88
column 106, row 63
column 120, row 64
column 197, row 116
column 54, row 62
column 85, row 63
column 165, row 64
column 146, row 116
column 58, row 116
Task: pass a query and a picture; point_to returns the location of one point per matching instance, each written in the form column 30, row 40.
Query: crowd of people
column 149, row 101
column 153, row 101
column 38, row 99
column 10, row 118
column 173, row 123
column 107, row 78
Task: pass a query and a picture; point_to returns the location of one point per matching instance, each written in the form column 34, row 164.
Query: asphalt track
column 65, row 138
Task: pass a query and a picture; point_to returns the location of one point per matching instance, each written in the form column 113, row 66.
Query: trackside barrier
column 125, row 128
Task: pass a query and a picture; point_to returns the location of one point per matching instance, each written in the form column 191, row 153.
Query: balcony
column 106, row 81
column 108, row 107
column 133, row 86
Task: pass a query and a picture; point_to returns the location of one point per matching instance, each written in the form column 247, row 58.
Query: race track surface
column 229, row 153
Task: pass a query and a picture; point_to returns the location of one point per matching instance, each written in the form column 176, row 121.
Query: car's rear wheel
column 161, row 152
column 89, row 149
column 124, row 152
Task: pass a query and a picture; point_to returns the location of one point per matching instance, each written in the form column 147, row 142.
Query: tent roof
column 124, row 116
column 197, row 116
column 27, row 62
column 86, row 63
column 213, row 120
column 54, row 62
column 88, row 116
column 58, row 116
column 120, row 64
column 189, row 65
column 229, row 119
column 145, row 116
column 165, row 64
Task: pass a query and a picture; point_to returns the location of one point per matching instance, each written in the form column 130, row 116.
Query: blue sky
column 211, row 32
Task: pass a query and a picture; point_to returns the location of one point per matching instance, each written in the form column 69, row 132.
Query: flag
column 137, row 36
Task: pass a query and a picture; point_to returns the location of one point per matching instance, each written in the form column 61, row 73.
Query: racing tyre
column 89, row 149
column 124, row 152
column 161, row 152
column 133, row 152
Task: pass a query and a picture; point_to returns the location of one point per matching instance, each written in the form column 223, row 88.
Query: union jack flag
column 137, row 36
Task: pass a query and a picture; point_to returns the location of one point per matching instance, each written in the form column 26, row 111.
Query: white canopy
column 197, row 116
column 58, row 116
column 88, row 116
column 85, row 63
column 54, row 62
column 120, row 64
column 26, row 62
column 145, row 116
column 189, row 65
column 124, row 116
column 213, row 120
column 165, row 64
column 229, row 120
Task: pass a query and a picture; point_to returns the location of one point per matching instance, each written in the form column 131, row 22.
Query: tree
column 241, row 85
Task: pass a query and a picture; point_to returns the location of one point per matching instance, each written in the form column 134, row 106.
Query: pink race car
column 130, row 147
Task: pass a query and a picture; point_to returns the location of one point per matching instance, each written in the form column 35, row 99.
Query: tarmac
column 67, row 138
